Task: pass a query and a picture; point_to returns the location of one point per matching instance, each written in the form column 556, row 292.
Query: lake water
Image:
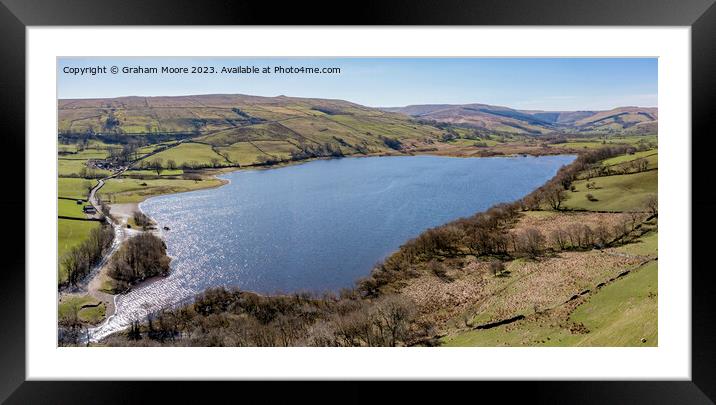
column 317, row 226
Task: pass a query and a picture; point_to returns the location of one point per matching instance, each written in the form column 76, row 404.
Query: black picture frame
column 16, row 15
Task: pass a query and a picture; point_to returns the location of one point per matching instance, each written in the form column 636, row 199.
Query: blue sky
column 544, row 84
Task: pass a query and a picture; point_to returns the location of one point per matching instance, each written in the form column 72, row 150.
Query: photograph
column 357, row 201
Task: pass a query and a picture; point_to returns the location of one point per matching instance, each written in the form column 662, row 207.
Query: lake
column 317, row 226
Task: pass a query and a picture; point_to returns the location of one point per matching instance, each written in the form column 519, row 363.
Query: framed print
column 402, row 201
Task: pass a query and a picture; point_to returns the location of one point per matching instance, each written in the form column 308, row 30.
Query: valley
column 575, row 262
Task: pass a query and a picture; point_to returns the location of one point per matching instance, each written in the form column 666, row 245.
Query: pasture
column 76, row 167
column 87, row 308
column 614, row 193
column 190, row 154
column 136, row 190
column 629, row 158
column 70, row 233
column 74, row 188
column 70, row 208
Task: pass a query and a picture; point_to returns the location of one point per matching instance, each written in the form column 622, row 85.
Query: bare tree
column 652, row 204
column 641, row 165
column 635, row 218
column 141, row 219
column 394, row 314
column 530, row 242
column 554, row 196
column 497, row 267
column 587, row 236
column 560, row 238
column 602, row 234
column 157, row 165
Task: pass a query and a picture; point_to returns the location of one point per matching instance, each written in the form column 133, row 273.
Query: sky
column 541, row 84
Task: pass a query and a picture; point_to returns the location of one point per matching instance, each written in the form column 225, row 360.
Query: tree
column 157, row 165
column 134, row 333
column 652, row 204
column 392, row 317
column 497, row 267
column 635, row 218
column 79, row 260
column 530, row 242
column 641, row 164
column 214, row 162
column 140, row 257
column 87, row 185
column 141, row 219
column 587, row 236
column 554, row 196
column 171, row 164
column 602, row 234
column 438, row 268
column 560, row 237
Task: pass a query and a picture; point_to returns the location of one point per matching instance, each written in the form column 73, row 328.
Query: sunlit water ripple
column 317, row 226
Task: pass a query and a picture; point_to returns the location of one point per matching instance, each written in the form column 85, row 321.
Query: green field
column 151, row 148
column 628, row 158
column 86, row 154
column 278, row 149
column 70, row 208
column 137, row 190
column 595, row 143
column 73, row 167
column 614, row 193
column 619, row 314
column 647, row 245
column 93, row 313
column 634, row 139
column 165, row 172
column 74, row 188
column 70, row 233
column 243, row 153
column 622, row 313
column 190, row 154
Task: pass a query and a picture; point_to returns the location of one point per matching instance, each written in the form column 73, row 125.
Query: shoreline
column 126, row 209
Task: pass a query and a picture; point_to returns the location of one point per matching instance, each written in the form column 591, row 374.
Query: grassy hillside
column 623, row 120
column 613, row 193
column 605, row 296
column 621, row 314
column 236, row 118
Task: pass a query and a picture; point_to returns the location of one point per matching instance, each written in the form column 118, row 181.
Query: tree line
column 307, row 151
column 369, row 315
column 231, row 317
column 488, row 233
column 80, row 259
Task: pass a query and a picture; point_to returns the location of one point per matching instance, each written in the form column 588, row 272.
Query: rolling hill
column 233, row 129
column 622, row 120
column 223, row 121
